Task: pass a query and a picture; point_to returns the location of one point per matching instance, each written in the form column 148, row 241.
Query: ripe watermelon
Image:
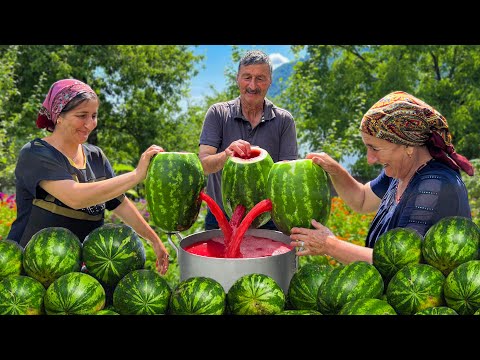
column 367, row 307
column 173, row 184
column 244, row 182
column 299, row 191
column 345, row 283
column 303, row 288
column 11, row 258
column 51, row 253
column 21, row 295
column 450, row 242
column 437, row 310
column 255, row 294
column 198, row 296
column 74, row 293
column 415, row 287
column 111, row 251
column 299, row 312
column 142, row 292
column 462, row 288
column 395, row 249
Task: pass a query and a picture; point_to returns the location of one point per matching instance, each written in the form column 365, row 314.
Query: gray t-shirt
column 224, row 123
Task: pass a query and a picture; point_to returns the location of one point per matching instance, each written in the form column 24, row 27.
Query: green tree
column 140, row 89
column 333, row 86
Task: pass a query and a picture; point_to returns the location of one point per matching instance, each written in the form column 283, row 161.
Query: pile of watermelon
column 112, row 272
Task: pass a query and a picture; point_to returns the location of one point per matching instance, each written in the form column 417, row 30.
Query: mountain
column 280, row 77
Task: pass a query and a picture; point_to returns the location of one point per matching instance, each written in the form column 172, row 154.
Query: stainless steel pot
column 227, row 270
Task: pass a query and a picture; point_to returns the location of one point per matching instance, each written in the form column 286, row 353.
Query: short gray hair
column 254, row 57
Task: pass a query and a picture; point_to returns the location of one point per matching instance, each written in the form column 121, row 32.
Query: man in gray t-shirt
column 231, row 127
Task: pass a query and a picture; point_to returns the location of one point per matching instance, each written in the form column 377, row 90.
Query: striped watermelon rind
column 111, row 251
column 366, row 306
column 198, row 296
column 462, row 288
column 255, row 294
column 415, row 287
column 142, row 292
column 396, row 248
column 437, row 310
column 299, row 191
column 21, row 295
column 172, row 186
column 303, row 287
column 346, row 283
column 450, row 242
column 11, row 258
column 244, row 182
column 51, row 253
column 299, row 312
column 74, row 293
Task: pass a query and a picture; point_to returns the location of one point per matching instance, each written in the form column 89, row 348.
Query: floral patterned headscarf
column 59, row 95
column 403, row 119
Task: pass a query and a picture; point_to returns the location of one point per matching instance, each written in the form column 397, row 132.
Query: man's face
column 253, row 82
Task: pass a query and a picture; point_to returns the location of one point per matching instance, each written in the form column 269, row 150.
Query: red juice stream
column 232, row 250
column 219, row 215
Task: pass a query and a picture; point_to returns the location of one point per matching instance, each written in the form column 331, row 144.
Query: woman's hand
column 144, row 161
column 311, row 241
column 325, row 161
column 162, row 258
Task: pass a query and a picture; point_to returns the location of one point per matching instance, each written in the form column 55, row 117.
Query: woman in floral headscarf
column 419, row 184
column 63, row 181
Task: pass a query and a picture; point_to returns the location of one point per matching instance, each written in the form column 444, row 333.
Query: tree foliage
column 333, row 86
column 140, row 89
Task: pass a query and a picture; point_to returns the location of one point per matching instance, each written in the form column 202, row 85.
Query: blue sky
column 218, row 58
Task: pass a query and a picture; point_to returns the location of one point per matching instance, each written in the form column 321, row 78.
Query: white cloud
column 277, row 60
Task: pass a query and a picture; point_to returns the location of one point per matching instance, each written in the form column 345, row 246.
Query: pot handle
column 170, row 241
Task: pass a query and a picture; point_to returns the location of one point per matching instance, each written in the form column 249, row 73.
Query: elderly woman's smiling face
column 393, row 157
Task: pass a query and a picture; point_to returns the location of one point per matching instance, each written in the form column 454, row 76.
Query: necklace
column 399, row 197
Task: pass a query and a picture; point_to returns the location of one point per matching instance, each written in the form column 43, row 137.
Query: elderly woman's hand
column 311, row 241
column 326, row 162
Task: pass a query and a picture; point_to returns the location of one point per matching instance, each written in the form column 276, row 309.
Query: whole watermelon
column 395, row 249
column 198, row 296
column 303, row 287
column 450, row 242
column 21, row 295
column 299, row 191
column 415, row 287
column 11, row 258
column 462, row 288
column 255, row 294
column 173, row 184
column 142, row 292
column 437, row 310
column 244, row 182
column 51, row 253
column 74, row 293
column 367, row 307
column 345, row 283
column 111, row 251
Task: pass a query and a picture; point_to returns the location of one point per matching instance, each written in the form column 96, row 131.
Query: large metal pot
column 227, row 270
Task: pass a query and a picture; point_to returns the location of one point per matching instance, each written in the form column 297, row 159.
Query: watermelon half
column 244, row 182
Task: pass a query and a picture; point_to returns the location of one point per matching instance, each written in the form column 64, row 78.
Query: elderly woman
column 419, row 184
column 63, row 181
